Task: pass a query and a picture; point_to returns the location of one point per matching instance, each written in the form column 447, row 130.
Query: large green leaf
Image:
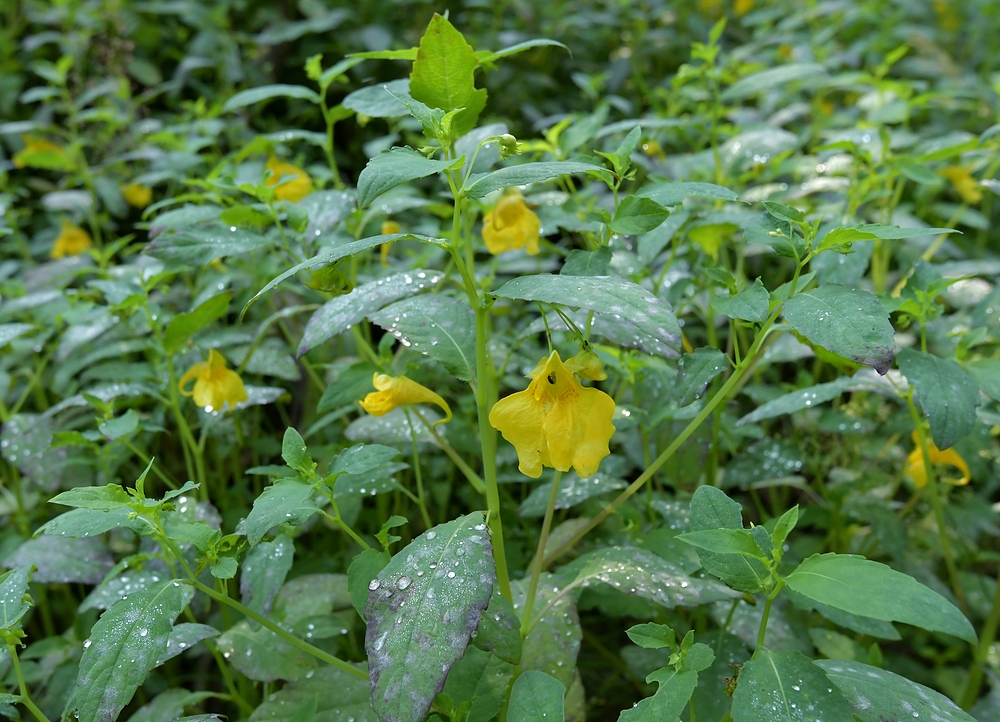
column 330, row 694
column 786, row 687
column 264, row 570
column 637, row 215
column 672, row 194
column 341, row 313
column 553, row 643
column 123, row 647
column 877, row 695
column 750, row 304
column 199, row 246
column 266, row 92
column 608, row 295
column 286, row 500
column 519, row 175
column 671, row 697
column 499, row 630
column 437, row 326
column 772, row 78
column 712, row 509
column 846, row 321
column 394, row 167
column 422, row 610
column 444, row 74
column 536, row 697
column 14, row 600
column 104, row 498
column 945, row 391
column 870, row 589
column 63, row 560
column 376, row 101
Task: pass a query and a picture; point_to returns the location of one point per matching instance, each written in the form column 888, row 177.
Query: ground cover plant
column 524, row 362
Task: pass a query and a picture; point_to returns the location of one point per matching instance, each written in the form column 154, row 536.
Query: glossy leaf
column 266, row 92
column 437, row 326
column 518, row 175
column 695, row 372
column 946, row 392
column 637, row 215
column 14, row 600
column 183, row 637
column 536, row 697
column 264, row 570
column 750, row 304
column 786, row 687
column 286, row 500
column 712, row 509
column 395, row 167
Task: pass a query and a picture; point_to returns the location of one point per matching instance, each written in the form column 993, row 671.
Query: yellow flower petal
column 387, row 228
column 71, row 241
column 742, row 7
column 137, row 195
column 511, row 226
column 556, row 422
column 297, row 183
column 214, row 384
column 917, row 471
column 964, row 183
column 395, row 391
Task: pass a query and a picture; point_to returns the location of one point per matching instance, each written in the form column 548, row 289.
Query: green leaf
column 536, row 697
column 183, row 637
column 111, row 496
column 14, row 599
column 293, row 451
column 185, row 325
column 489, row 56
column 712, row 509
column 81, row 523
column 671, row 697
column 652, row 636
column 394, row 167
column 247, row 217
column 264, row 570
column 337, row 70
column 771, row 78
column 362, row 570
column 499, row 630
column 695, row 372
column 11, row 331
column 335, row 695
column 266, row 92
column 783, row 527
column 846, row 321
column 199, row 246
column 445, row 579
column 444, row 74
column 877, row 695
column 341, row 313
column 986, row 372
column 376, row 101
column 636, row 215
column 352, row 384
column 809, row 397
column 613, row 295
column 553, row 643
column 572, row 491
column 946, row 392
column 362, row 458
column 120, row 426
column 123, row 647
column 62, row 560
column 437, row 326
column 587, row 263
column 839, row 239
column 286, row 500
column 672, row 194
column 518, row 175
column 895, row 232
column 786, row 687
column 750, row 304
column 480, row 680
column 869, row 589
column 725, row 541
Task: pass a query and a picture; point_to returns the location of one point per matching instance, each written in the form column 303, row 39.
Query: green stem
column 762, row 632
column 537, row 562
column 25, row 697
column 417, row 472
column 472, row 476
column 986, row 638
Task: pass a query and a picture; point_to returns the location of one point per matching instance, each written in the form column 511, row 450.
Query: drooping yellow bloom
column 388, row 227
column 214, row 385
column 395, row 391
column 916, row 470
column 742, row 7
column 556, row 421
column 964, row 183
column 298, row 184
column 511, row 226
column 71, row 241
column 41, row 153
column 137, row 195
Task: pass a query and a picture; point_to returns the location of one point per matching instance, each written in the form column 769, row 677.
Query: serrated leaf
column 712, row 509
column 499, row 630
column 14, row 600
column 750, row 304
column 394, row 167
column 424, row 606
column 518, row 175
column 771, row 78
column 123, row 647
column 341, row 313
column 536, row 697
column 612, row 295
column 869, row 589
column 111, row 496
column 437, row 326
column 636, row 215
column 695, row 372
column 786, row 687
column 877, row 695
column 264, row 570
column 286, row 500
column 846, row 321
column 946, row 392
column 266, row 92
column 669, row 700
column 183, row 637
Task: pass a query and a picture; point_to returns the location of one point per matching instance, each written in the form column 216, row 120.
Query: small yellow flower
column 41, row 153
column 964, row 183
column 742, row 7
column 395, row 391
column 916, row 470
column 71, row 241
column 511, row 226
column 556, row 421
column 137, row 195
column 214, row 385
column 388, row 227
column 298, row 184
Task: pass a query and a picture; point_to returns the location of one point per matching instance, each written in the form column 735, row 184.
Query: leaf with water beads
column 536, row 697
column 786, row 687
column 337, row 695
column 123, row 647
column 553, row 642
column 64, row 561
column 14, row 600
column 286, row 500
column 264, row 570
column 422, row 610
column 183, row 637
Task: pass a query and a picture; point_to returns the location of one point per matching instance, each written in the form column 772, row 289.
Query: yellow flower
column 948, row 16
column 511, row 226
column 298, row 184
column 137, row 195
column 214, row 385
column 964, row 183
column 556, row 422
column 916, row 470
column 395, row 391
column 388, row 227
column 742, row 7
column 71, row 241
column 41, row 153
column 710, row 7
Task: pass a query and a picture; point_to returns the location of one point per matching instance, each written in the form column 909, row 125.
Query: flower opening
column 391, row 392
column 297, row 183
column 511, row 226
column 214, row 384
column 71, row 241
column 916, row 470
column 137, row 195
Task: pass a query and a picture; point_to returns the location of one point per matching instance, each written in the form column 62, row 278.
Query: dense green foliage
column 272, row 278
